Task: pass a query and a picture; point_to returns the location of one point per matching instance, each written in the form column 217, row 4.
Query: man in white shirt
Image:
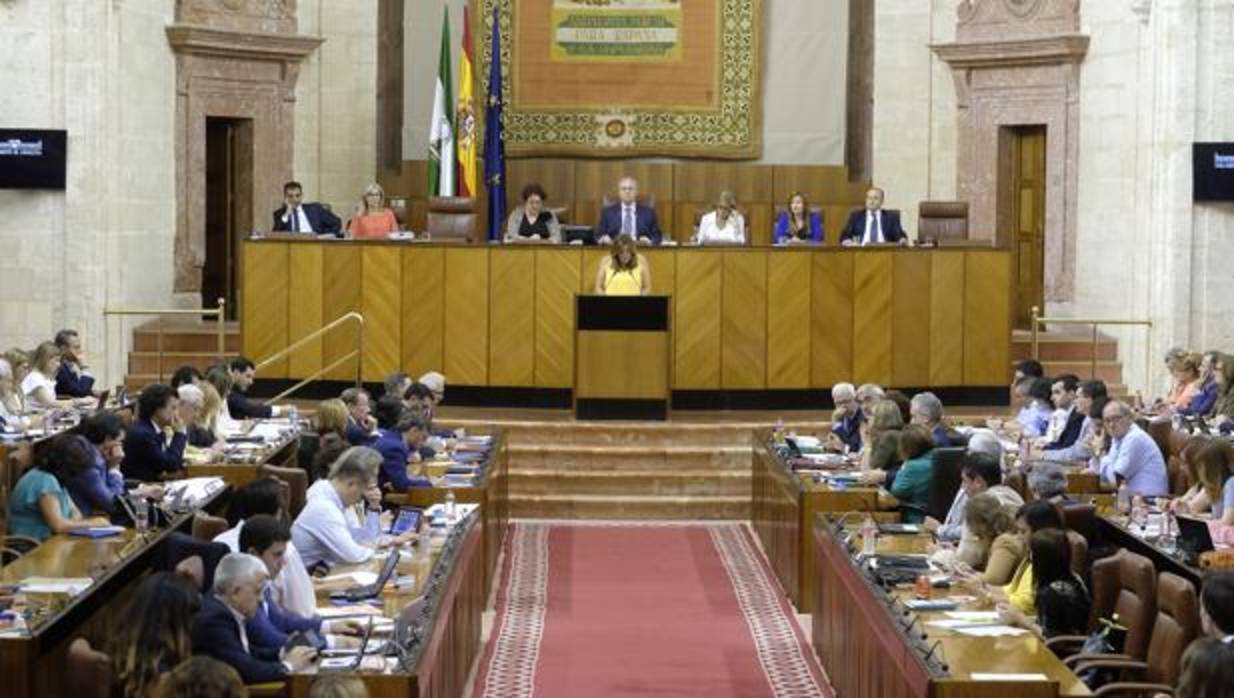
column 321, row 532
column 292, row 586
column 873, row 225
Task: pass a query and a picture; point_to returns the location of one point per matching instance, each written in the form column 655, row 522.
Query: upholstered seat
column 452, row 218
column 88, row 670
column 939, row 221
column 1176, row 624
column 296, row 482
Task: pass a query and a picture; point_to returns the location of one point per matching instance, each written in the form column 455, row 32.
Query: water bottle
column 451, row 510
column 141, row 514
column 778, row 436
column 1124, row 499
column 293, row 415
column 869, row 536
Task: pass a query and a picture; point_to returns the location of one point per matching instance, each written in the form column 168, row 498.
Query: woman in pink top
column 372, row 220
column 1186, row 380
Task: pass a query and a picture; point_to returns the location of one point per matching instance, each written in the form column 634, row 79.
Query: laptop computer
column 350, row 664
column 369, row 591
column 1193, row 537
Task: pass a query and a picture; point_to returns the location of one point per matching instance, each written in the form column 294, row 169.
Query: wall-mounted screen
column 1212, row 167
column 32, row 158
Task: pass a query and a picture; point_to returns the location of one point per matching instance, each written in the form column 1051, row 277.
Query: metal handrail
column 357, row 353
column 1039, row 320
column 219, row 314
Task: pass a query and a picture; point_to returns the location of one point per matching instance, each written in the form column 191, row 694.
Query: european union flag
column 494, row 143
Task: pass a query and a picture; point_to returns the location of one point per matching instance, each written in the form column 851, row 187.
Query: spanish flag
column 465, row 121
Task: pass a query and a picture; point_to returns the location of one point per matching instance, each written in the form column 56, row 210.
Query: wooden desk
column 1112, row 531
column 30, row 664
column 447, row 630
column 783, row 506
column 867, row 651
column 753, row 318
column 284, row 453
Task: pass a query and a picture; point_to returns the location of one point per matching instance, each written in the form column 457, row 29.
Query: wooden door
column 229, row 166
column 1027, row 220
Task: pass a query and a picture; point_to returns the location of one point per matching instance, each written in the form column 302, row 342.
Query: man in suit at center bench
column 872, row 225
column 628, row 216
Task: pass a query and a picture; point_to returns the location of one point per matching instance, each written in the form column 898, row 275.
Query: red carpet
column 642, row 610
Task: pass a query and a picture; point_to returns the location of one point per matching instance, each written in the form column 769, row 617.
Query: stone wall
column 104, row 71
column 1158, row 75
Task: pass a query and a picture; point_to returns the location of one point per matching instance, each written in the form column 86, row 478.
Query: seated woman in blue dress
column 798, row 224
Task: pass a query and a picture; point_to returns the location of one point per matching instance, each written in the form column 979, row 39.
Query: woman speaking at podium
column 624, row 272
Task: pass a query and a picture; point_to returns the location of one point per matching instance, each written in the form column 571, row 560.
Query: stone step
column 194, row 337
column 627, row 458
column 644, row 435
column 1063, row 347
column 1109, row 371
column 148, row 362
column 629, row 507
column 675, row 483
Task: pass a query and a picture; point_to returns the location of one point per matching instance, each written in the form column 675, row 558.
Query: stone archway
column 237, row 59
column 1017, row 63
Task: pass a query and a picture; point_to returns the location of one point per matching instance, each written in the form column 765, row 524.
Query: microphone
column 936, row 645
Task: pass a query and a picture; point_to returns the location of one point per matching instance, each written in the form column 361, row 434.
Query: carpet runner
column 660, row 609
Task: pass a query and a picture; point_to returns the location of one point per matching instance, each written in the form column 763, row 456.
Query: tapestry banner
column 623, row 78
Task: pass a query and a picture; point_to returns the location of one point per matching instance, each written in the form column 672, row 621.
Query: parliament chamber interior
column 590, row 348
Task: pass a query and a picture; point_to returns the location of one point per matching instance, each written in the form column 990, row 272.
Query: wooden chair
column 206, row 527
column 296, row 481
column 452, row 218
column 1177, row 623
column 1124, row 584
column 88, row 670
column 942, row 221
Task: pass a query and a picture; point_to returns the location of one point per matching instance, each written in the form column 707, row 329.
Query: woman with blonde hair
column 39, row 385
column 12, row 406
column 624, row 272
column 724, row 225
column 372, row 220
column 881, row 435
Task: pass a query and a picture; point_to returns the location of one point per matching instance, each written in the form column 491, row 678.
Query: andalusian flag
column 441, row 132
column 465, row 120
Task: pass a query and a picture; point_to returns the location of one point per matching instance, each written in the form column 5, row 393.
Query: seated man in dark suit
column 295, row 216
column 400, row 435
column 361, row 426
column 72, row 378
column 243, row 371
column 148, row 453
column 219, row 629
column 872, row 225
column 628, row 216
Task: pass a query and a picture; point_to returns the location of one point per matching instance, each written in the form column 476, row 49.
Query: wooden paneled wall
column 743, row 319
column 681, row 190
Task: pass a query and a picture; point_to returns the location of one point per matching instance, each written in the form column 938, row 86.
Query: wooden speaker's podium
column 622, row 357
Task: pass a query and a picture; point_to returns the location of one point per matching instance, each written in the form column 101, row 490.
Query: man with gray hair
column 927, row 410
column 219, row 628
column 845, row 418
column 1133, row 457
column 1048, row 481
column 361, row 426
column 321, row 531
column 628, row 217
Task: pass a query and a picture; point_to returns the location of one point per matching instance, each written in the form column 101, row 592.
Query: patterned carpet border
column 508, row 666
